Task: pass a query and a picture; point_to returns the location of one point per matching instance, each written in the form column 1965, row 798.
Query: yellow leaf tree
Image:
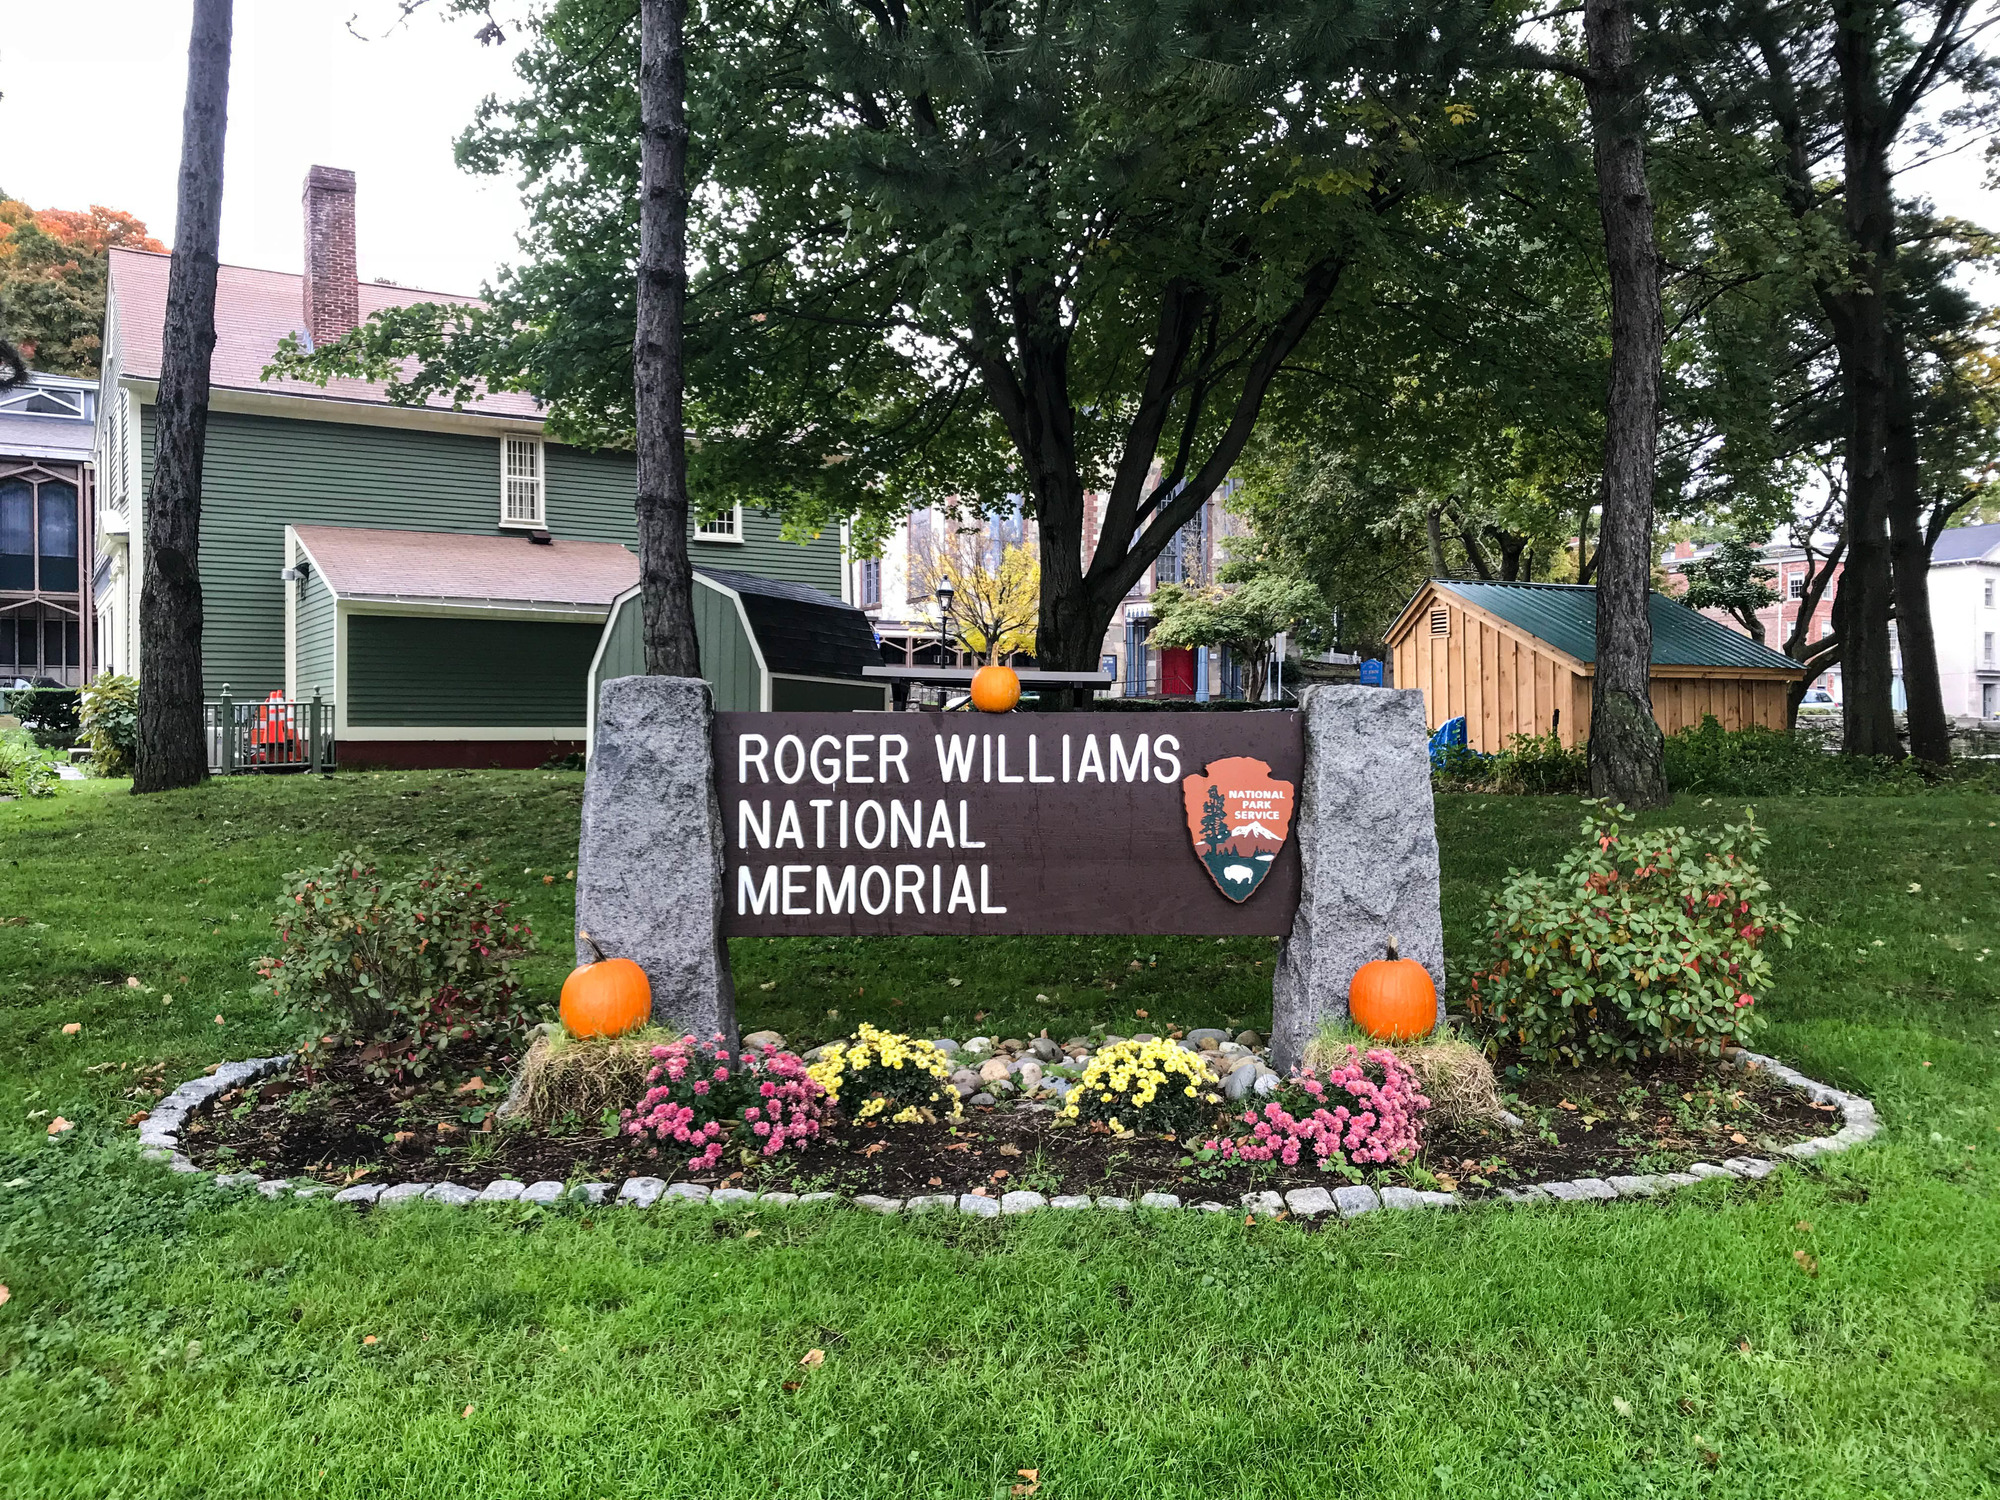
column 996, row 583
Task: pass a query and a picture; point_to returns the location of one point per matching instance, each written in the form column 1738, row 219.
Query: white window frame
column 1795, row 585
column 509, row 510
column 726, row 528
column 1989, row 593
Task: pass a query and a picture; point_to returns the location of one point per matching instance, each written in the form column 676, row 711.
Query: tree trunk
column 666, row 577
column 1862, row 332
column 1910, row 567
column 1626, row 762
column 173, row 749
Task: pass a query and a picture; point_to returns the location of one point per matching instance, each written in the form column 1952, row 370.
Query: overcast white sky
column 90, row 106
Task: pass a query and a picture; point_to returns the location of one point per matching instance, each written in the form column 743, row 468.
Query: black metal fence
column 271, row 734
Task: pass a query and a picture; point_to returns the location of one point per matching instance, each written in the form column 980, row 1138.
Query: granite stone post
column 649, row 870
column 1368, row 856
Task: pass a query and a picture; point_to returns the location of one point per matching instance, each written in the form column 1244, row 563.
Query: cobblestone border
column 159, row 1136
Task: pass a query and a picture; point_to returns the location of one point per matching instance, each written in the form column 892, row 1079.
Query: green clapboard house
column 443, row 577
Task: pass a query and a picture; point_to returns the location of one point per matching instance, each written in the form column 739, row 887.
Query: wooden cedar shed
column 1517, row 658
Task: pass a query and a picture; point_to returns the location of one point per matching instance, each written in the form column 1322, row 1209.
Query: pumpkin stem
column 597, row 953
column 1392, row 947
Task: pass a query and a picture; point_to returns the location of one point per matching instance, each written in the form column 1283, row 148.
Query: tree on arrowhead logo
column 1239, row 816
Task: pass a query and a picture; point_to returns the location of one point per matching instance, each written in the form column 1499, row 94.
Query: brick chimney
column 332, row 299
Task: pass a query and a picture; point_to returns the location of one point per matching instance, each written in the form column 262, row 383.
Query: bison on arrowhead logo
column 1239, row 816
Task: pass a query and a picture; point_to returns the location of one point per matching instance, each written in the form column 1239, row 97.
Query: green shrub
column 409, row 968
column 49, row 714
column 1532, row 763
column 1760, row 762
column 109, row 720
column 1643, row 941
column 26, row 769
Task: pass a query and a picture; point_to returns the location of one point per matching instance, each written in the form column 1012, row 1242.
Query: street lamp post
column 945, row 594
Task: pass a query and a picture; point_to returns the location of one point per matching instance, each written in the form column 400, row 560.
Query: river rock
column 1237, row 1084
column 1028, row 1078
column 1249, row 1039
column 947, row 1046
column 984, row 1100
column 1045, row 1049
column 993, row 1070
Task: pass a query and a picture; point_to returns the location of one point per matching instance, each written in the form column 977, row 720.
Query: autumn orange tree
column 54, row 266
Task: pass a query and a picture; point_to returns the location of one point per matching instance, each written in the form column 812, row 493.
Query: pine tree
column 1214, row 820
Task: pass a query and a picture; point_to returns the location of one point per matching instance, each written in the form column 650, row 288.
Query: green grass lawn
column 164, row 1338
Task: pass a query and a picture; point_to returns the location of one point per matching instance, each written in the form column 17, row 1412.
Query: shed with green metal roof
column 1518, row 658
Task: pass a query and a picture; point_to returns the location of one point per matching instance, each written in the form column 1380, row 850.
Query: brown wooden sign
column 1009, row 823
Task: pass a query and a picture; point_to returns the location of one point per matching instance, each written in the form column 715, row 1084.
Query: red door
column 1177, row 671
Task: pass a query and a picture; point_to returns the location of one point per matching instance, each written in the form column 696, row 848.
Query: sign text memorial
column 1022, row 823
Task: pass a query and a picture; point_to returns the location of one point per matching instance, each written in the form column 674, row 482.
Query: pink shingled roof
column 253, row 311
column 450, row 565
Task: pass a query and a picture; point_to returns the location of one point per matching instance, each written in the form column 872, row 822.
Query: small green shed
column 765, row 645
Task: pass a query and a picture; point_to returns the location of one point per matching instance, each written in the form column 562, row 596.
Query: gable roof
column 254, row 310
column 1565, row 615
column 435, row 567
column 1968, row 544
column 801, row 630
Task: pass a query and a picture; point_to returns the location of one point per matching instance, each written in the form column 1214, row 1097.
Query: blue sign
column 1371, row 674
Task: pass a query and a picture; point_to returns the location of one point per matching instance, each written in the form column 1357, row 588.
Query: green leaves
column 1680, row 967
column 403, row 967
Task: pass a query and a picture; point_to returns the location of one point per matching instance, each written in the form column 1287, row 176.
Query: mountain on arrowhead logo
column 1239, row 816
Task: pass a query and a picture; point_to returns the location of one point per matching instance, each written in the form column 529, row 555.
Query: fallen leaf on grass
column 369, row 1339
column 58, row 1125
column 1033, row 1476
column 219, row 1021
column 1803, row 1227
column 1743, row 1346
column 751, row 1234
column 999, row 1176
column 813, row 1359
column 132, row 981
column 139, row 1117
column 4, row 1294
column 1710, row 1457
column 1807, row 1263
column 471, row 1085
column 72, row 1028
column 1739, row 1137
column 792, row 1385
column 1565, row 1104
column 1621, row 1406
column 769, row 984
column 467, row 1412
column 1010, row 1149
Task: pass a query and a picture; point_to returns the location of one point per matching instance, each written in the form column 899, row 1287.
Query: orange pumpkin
column 608, row 997
column 995, row 689
column 1393, row 999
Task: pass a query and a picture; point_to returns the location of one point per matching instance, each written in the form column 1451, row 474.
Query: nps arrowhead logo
column 1238, row 816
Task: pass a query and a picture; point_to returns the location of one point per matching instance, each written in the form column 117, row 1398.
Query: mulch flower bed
column 341, row 1127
